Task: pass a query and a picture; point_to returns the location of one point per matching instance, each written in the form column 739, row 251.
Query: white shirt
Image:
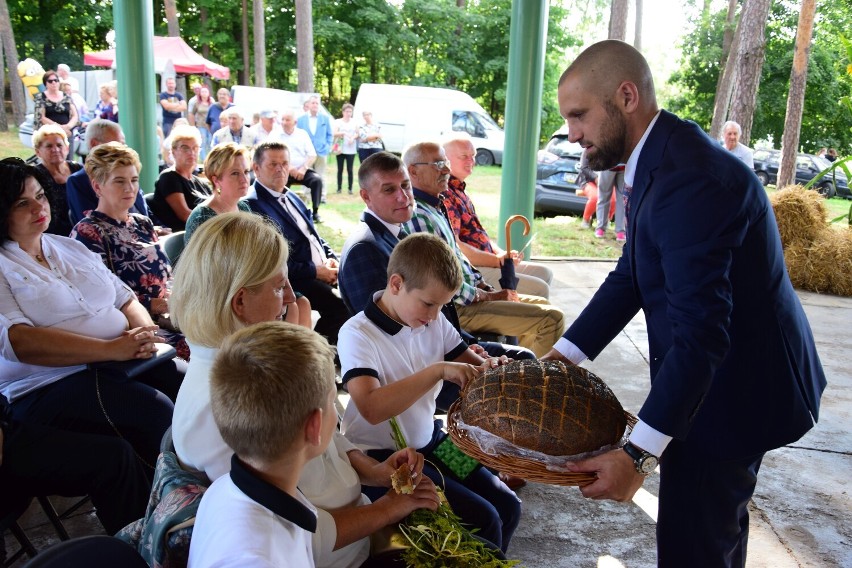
column 372, row 344
column 77, row 293
column 350, row 135
column 300, row 146
column 643, row 436
column 261, row 134
column 317, row 252
column 231, row 529
column 328, row 481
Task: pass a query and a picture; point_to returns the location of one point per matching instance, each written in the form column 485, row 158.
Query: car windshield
column 822, row 163
column 561, row 146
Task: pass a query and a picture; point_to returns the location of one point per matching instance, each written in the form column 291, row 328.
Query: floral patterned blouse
column 59, row 112
column 132, row 251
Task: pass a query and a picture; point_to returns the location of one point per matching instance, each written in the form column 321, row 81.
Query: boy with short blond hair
column 276, row 421
column 394, row 358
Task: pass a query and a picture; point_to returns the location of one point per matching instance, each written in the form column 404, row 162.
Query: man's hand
column 554, row 355
column 327, row 274
column 517, row 256
column 298, row 173
column 617, row 476
column 500, row 295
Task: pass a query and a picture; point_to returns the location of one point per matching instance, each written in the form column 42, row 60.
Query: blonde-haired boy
column 272, row 394
column 395, row 356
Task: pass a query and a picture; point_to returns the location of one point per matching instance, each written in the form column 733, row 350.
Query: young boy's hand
column 459, row 373
column 383, row 470
column 493, row 363
column 425, row 496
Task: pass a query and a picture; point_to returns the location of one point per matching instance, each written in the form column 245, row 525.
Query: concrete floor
column 801, row 514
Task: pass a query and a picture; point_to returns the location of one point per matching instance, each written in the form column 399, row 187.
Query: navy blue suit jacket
column 364, row 262
column 300, row 265
column 734, row 368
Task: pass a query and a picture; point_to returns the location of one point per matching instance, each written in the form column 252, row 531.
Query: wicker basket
column 525, row 468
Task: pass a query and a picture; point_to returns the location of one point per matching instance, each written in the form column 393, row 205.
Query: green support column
column 134, row 65
column 527, row 37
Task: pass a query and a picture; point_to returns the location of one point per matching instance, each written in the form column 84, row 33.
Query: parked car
column 808, row 166
column 556, row 177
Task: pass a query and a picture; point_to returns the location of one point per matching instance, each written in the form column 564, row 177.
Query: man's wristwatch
column 645, row 463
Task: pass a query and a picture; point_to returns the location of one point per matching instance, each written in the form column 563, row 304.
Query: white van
column 410, row 114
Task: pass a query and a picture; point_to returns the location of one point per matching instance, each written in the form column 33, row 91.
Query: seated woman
column 60, row 309
column 52, row 106
column 227, row 168
column 51, row 146
column 107, row 105
column 178, row 190
column 127, row 242
column 240, row 262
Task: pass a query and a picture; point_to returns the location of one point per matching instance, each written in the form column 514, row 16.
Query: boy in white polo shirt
column 275, row 422
column 394, row 358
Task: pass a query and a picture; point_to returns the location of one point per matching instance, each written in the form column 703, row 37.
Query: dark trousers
column 333, row 312
column 349, row 159
column 703, row 510
column 313, row 182
column 482, row 500
column 40, row 460
column 140, row 409
column 364, row 153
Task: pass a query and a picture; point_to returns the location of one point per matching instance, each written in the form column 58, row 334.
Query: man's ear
column 395, row 283
column 313, row 427
column 627, row 97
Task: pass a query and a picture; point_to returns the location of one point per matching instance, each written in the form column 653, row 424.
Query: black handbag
column 135, row 367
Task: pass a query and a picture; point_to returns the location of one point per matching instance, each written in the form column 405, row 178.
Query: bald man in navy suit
column 734, row 369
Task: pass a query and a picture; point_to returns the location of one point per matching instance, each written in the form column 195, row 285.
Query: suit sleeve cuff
column 570, row 351
column 645, row 437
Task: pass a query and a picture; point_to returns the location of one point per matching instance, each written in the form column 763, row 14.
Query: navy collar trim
column 383, row 321
column 272, row 497
column 421, row 195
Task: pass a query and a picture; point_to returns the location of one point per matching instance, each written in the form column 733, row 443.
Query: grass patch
column 11, row 146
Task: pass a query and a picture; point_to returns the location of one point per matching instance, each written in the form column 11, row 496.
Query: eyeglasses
column 54, row 80
column 185, row 148
column 438, row 165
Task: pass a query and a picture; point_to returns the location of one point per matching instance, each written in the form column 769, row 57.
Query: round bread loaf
column 544, row 406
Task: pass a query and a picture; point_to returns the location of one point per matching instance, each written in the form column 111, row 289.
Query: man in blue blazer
column 734, row 369
column 312, row 265
column 318, row 127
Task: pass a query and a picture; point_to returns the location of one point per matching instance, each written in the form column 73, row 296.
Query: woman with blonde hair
column 178, row 190
column 227, row 168
column 128, row 242
column 51, row 146
column 107, row 106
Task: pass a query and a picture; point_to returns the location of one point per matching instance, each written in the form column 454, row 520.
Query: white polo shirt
column 372, row 344
column 245, row 521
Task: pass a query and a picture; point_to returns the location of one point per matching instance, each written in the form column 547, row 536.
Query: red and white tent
column 185, row 60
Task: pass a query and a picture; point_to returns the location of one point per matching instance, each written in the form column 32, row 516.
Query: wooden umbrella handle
column 509, row 222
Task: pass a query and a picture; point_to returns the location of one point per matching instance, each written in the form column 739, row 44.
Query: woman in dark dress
column 178, row 190
column 51, row 146
column 52, row 106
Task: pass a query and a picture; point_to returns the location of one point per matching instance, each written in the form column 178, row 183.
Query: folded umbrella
column 508, row 279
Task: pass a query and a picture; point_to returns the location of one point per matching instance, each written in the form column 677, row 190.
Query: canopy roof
column 185, row 60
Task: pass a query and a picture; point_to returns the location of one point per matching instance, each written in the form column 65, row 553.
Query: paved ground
column 801, row 514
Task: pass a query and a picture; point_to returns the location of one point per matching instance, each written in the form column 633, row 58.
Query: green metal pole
column 527, row 36
column 134, row 65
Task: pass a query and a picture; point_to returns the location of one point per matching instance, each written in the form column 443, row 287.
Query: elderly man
column 734, row 368
column 173, row 105
column 267, row 127
column 303, row 158
column 731, row 134
column 223, row 102
column 81, row 196
column 480, row 307
column 318, row 127
column 533, row 279
column 64, row 73
column 312, row 265
column 236, row 131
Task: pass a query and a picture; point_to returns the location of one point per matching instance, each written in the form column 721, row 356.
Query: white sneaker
column 585, row 224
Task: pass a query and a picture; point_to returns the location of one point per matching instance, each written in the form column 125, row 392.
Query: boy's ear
column 313, row 427
column 395, row 283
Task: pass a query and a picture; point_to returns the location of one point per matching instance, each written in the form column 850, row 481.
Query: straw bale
column 800, row 214
column 824, row 266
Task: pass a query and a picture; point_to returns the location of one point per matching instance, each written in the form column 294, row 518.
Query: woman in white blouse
column 61, row 309
column 239, row 261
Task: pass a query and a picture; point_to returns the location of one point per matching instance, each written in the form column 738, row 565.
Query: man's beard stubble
column 609, row 149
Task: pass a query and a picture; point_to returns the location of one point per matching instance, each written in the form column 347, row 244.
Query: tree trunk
column 171, row 18
column 259, row 44
column 727, row 40
column 796, row 98
column 618, row 20
column 16, row 87
column 725, row 86
column 637, row 28
column 4, row 122
column 305, row 45
column 205, row 47
column 246, row 72
column 749, row 64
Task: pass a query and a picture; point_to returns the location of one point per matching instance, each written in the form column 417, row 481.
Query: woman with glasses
column 51, row 146
column 127, row 242
column 178, row 190
column 52, row 106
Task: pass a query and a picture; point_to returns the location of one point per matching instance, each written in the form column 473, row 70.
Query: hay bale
column 823, row 266
column 800, row 214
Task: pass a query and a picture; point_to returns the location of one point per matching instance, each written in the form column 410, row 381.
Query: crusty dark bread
column 401, row 480
column 544, row 406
